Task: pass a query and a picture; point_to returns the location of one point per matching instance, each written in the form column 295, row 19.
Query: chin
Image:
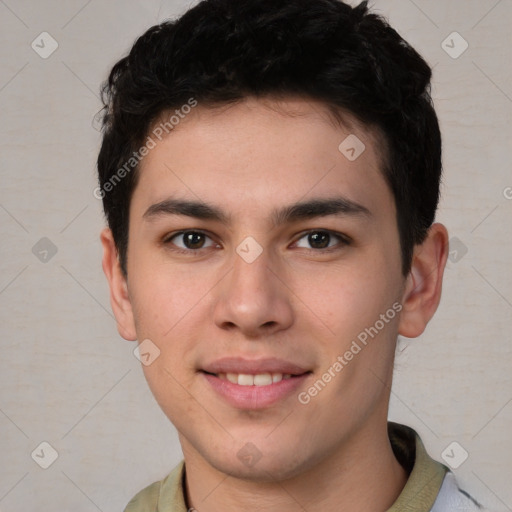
column 262, row 466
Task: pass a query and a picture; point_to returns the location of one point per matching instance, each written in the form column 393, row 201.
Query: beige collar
column 419, row 494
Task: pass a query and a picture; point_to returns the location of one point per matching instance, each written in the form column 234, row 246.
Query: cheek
column 351, row 299
column 161, row 297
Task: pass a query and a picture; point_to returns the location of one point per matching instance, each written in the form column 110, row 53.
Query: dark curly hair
column 221, row 51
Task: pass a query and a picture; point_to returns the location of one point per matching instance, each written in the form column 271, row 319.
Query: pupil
column 193, row 240
column 319, row 240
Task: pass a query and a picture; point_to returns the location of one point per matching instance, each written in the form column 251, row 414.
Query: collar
column 419, row 494
column 425, row 474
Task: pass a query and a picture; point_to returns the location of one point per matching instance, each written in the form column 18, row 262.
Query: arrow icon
column 249, row 454
column 454, row 45
column 457, row 249
column 147, row 352
column 454, row 455
column 249, row 249
column 44, row 455
column 44, row 250
column 44, row 45
column 351, row 147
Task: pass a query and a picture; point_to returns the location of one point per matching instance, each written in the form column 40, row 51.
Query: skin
column 296, row 301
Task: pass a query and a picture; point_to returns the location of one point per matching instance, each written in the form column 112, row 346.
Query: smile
column 260, row 379
column 254, row 391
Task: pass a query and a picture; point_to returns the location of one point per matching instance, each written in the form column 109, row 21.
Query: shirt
column 430, row 487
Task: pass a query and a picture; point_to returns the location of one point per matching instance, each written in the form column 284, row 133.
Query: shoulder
column 145, row 500
column 166, row 494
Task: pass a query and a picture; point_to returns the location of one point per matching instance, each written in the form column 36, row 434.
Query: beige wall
column 67, row 378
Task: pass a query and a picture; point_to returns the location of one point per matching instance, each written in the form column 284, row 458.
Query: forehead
column 264, row 152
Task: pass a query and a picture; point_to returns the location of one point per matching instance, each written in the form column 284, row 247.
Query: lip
column 254, row 397
column 253, row 366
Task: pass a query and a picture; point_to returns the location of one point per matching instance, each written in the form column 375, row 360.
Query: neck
column 362, row 475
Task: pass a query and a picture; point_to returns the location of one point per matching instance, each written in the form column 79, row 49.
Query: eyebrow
column 313, row 208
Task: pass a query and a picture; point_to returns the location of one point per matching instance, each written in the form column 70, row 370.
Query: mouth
column 256, row 384
column 258, row 379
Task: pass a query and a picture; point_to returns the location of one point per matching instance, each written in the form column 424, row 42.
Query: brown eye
column 189, row 241
column 193, row 240
column 319, row 239
column 322, row 239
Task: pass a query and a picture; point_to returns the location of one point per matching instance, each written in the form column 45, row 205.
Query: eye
column 189, row 241
column 322, row 239
column 192, row 241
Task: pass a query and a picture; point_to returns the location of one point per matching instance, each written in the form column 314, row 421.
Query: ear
column 119, row 297
column 424, row 284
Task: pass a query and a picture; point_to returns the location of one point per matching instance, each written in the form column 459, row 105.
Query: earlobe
column 119, row 297
column 422, row 292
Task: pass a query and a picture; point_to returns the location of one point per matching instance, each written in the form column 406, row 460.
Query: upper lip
column 253, row 366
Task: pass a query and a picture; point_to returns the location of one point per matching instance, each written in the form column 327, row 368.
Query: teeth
column 261, row 379
column 232, row 377
column 245, row 380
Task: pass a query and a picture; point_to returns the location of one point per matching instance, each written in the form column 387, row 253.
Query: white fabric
column 451, row 499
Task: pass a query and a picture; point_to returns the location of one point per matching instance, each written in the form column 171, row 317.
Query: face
column 259, row 258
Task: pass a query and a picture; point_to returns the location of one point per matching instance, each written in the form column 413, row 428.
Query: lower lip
column 254, row 397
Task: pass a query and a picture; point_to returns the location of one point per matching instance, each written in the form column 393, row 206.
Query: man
column 270, row 175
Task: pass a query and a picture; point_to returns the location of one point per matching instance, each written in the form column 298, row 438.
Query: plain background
column 66, row 376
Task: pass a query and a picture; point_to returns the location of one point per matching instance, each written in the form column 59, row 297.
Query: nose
column 254, row 298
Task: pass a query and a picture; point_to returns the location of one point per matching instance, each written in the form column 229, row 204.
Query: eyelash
column 344, row 240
